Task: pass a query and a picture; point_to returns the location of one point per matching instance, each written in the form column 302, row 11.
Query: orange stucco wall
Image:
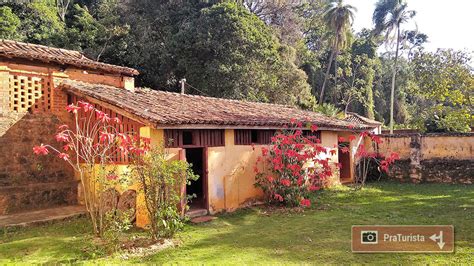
column 432, row 146
column 400, row 145
column 453, row 147
column 231, row 176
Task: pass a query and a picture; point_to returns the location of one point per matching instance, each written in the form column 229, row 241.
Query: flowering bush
column 292, row 167
column 89, row 147
column 296, row 164
column 366, row 159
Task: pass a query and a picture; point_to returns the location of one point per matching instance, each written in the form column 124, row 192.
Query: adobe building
column 219, row 137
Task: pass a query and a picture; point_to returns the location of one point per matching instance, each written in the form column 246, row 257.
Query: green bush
column 161, row 180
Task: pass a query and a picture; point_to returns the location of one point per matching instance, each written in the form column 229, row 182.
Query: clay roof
column 13, row 49
column 170, row 110
column 359, row 119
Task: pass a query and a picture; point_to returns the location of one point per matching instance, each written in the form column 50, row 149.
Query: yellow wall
column 432, row 147
column 453, row 147
column 231, row 176
column 400, row 145
column 156, row 139
column 156, row 136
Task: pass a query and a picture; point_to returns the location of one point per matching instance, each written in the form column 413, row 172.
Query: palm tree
column 339, row 18
column 388, row 16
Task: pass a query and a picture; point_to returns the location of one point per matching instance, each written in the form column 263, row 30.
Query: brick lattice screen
column 29, row 93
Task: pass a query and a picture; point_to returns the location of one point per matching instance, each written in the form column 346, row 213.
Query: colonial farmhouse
column 219, row 137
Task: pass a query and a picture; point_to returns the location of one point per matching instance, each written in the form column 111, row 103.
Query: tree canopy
column 276, row 51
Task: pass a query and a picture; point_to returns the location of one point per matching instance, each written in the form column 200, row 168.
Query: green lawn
column 319, row 235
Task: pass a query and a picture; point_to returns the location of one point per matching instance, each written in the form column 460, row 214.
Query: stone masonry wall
column 28, row 181
column 439, row 158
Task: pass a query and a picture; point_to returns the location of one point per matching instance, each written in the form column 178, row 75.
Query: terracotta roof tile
column 359, row 119
column 13, row 49
column 167, row 109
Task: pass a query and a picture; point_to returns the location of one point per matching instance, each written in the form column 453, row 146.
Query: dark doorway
column 345, row 162
column 195, row 156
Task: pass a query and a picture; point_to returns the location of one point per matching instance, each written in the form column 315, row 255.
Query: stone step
column 196, row 213
column 41, row 216
column 202, row 219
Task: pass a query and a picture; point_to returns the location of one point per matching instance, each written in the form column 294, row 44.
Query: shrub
column 292, row 167
column 161, row 180
column 296, row 164
column 88, row 147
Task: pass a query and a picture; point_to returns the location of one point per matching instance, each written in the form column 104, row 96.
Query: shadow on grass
column 64, row 242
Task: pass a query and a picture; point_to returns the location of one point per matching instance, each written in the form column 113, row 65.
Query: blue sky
column 448, row 24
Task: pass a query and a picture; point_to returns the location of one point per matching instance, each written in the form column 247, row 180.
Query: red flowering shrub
column 292, row 167
column 370, row 159
column 89, row 147
column 296, row 164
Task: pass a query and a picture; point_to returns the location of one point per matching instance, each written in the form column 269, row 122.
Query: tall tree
column 226, row 51
column 281, row 15
column 339, row 18
column 388, row 17
column 9, row 23
column 444, row 96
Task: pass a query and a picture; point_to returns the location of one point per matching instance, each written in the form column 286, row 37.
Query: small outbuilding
column 218, row 136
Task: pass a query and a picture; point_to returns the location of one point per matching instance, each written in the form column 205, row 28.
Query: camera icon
column 369, row 237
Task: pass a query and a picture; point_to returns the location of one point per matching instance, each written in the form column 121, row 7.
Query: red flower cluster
column 73, row 108
column 385, row 164
column 98, row 134
column 305, row 202
column 63, row 156
column 287, row 158
column 61, row 137
column 86, row 106
column 40, row 150
column 112, row 177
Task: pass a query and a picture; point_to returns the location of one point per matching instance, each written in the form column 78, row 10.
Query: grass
column 256, row 236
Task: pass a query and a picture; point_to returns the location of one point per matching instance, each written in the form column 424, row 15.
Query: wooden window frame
column 201, row 138
column 246, row 136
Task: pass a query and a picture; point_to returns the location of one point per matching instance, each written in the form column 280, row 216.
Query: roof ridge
column 42, row 46
column 58, row 55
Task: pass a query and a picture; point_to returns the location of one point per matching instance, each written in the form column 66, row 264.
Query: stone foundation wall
column 435, row 171
column 28, row 181
column 440, row 158
column 448, row 171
